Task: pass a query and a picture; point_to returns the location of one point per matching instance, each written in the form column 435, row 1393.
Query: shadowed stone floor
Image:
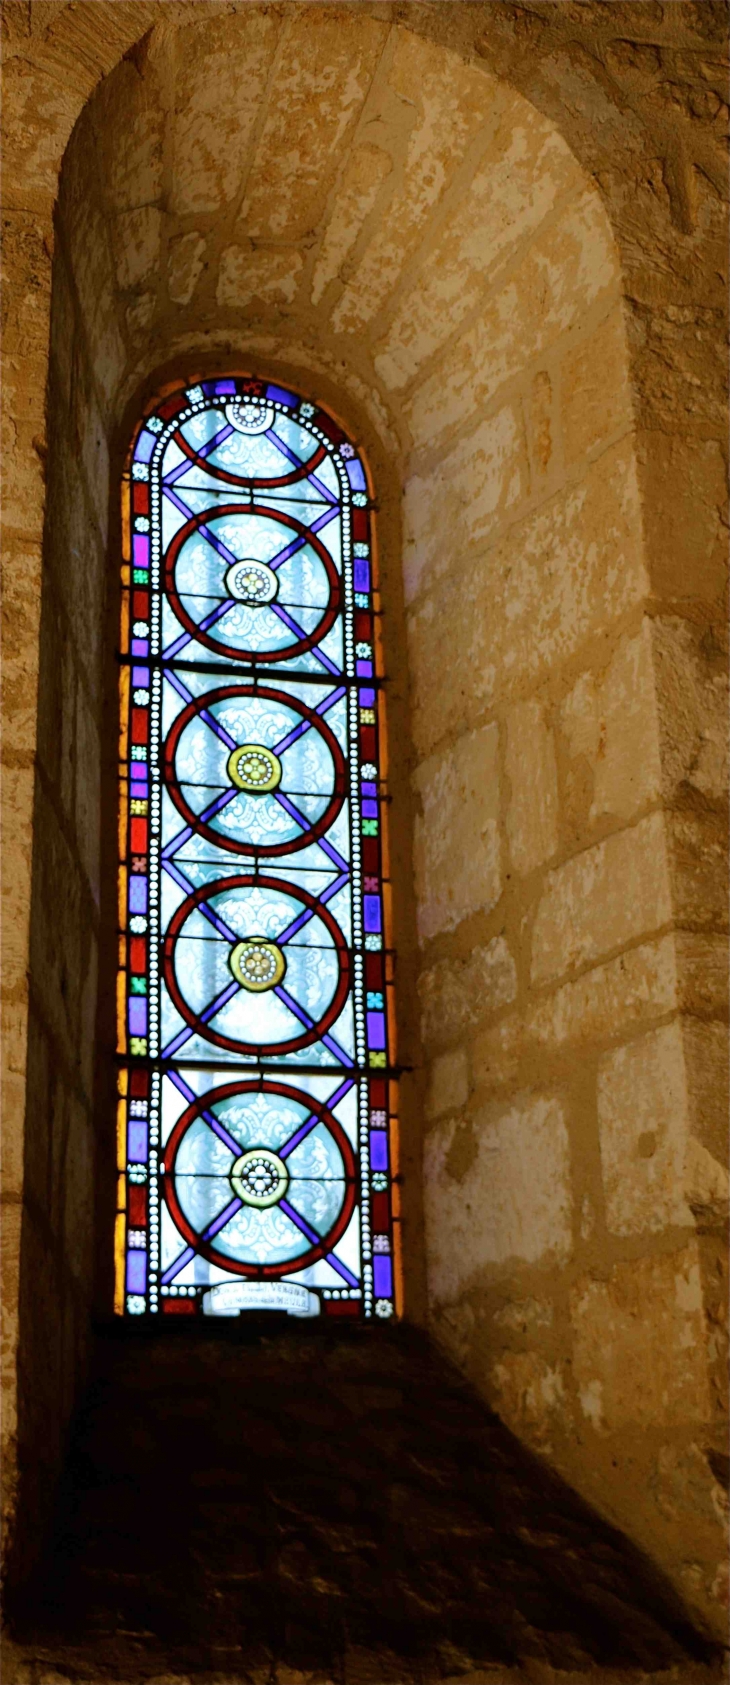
column 264, row 1506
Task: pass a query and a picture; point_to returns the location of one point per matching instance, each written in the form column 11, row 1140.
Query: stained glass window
column 257, row 1137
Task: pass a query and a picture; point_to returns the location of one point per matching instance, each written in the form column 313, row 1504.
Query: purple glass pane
column 370, row 810
column 137, row 1140
column 371, row 912
column 368, row 788
column 361, row 575
column 376, row 1029
column 225, row 386
column 356, row 474
column 137, row 1006
column 378, row 1149
column 138, row 770
column 141, row 549
column 382, row 1276
column 136, row 1271
column 144, row 446
column 140, row 676
column 140, row 646
column 364, row 669
column 281, row 396
column 137, row 895
column 367, row 698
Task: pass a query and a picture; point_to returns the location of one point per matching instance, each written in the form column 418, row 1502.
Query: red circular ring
column 206, row 1250
column 196, row 707
column 302, row 644
column 242, row 881
column 250, row 480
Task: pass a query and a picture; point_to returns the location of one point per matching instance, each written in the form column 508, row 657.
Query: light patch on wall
column 640, row 1335
column 457, row 850
column 642, row 1119
column 513, row 1202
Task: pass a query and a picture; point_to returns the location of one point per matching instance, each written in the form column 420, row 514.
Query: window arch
column 257, row 1115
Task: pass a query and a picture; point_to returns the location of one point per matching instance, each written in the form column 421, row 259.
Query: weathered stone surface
column 532, row 812
column 214, row 126
column 387, row 1471
column 686, row 537
column 456, row 994
column 21, row 570
column 560, row 575
column 448, row 1084
column 247, row 273
column 459, row 503
column 459, row 795
column 444, row 108
column 308, row 120
column 357, row 190
column 129, row 153
column 643, row 1126
column 639, row 1354
column 595, row 396
column 611, row 731
column 692, row 697
column 608, row 896
column 525, row 171
column 703, row 972
column 529, row 1394
column 185, row 265
column 697, row 853
column 564, row 270
column 136, row 244
column 17, row 814
column 706, row 1059
column 634, row 989
column 496, row 1190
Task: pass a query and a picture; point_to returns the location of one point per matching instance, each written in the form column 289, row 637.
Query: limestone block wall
column 451, row 226
column 575, row 1185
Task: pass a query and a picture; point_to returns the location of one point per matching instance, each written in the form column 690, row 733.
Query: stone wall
column 492, row 235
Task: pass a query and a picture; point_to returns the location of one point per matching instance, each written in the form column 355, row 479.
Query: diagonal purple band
column 316, row 1239
column 292, row 457
column 220, row 1221
column 208, row 718
column 205, row 450
column 218, row 924
column 306, row 725
column 222, row 549
column 214, row 1123
column 207, row 813
column 205, row 1017
column 311, row 1122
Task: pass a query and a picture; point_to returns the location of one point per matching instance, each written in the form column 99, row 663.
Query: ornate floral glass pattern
column 257, row 1127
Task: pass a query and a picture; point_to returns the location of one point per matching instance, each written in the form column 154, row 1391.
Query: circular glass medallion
column 251, row 582
column 301, row 1137
column 308, row 584
column 257, row 964
column 248, row 820
column 249, row 415
column 254, row 769
column 251, row 909
column 259, row 1177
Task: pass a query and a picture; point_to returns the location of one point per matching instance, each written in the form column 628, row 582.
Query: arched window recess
column 257, row 1128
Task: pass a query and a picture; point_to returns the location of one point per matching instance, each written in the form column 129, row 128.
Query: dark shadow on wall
column 250, row 1498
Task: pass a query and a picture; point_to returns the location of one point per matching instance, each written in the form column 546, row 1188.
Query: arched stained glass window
column 256, row 1129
